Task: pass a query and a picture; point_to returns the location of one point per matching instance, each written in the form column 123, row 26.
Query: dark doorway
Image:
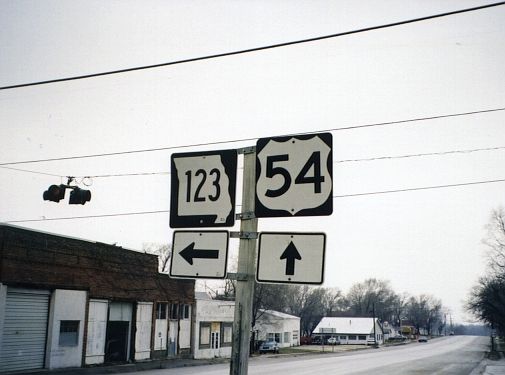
column 116, row 343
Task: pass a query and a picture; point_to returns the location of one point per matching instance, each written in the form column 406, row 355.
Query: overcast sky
column 423, row 241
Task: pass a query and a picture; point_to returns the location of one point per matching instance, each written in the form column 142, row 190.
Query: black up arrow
column 189, row 253
column 290, row 254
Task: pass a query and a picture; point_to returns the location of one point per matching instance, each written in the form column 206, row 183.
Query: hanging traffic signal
column 54, row 193
column 79, row 196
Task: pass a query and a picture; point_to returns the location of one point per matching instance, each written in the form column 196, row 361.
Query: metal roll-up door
column 25, row 330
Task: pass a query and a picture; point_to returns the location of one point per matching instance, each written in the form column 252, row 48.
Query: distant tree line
column 362, row 300
column 487, row 298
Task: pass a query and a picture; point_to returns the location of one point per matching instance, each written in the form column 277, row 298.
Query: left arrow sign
column 189, row 253
column 190, row 246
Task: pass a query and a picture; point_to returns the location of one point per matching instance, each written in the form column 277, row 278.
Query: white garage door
column 25, row 330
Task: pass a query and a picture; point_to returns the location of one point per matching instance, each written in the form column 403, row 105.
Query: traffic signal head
column 54, row 193
column 79, row 196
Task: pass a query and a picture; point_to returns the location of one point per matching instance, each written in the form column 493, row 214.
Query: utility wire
column 420, row 188
column 442, row 153
column 29, row 171
column 334, row 196
column 88, row 216
column 390, row 157
column 378, row 124
column 256, row 49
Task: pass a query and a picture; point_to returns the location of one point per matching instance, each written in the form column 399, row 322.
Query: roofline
column 3, row 224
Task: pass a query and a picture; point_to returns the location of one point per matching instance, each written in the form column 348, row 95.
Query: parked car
column 316, row 340
column 422, row 339
column 269, row 347
column 333, row 341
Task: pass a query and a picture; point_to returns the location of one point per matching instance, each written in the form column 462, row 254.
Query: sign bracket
column 245, row 216
column 244, row 235
column 238, row 276
column 246, row 150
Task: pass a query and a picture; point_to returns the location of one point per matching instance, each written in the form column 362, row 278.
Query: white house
column 350, row 330
column 276, row 326
column 213, row 327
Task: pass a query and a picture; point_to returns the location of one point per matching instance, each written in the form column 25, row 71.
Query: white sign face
column 296, row 258
column 203, row 189
column 294, row 176
column 199, row 254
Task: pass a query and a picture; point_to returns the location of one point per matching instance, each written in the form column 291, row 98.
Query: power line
column 256, row 49
column 391, row 157
column 377, row 158
column 378, row 124
column 441, row 153
column 30, row 171
column 89, row 216
column 335, row 196
column 420, row 188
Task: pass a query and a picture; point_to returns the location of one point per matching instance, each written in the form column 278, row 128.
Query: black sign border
column 229, row 161
column 324, row 209
column 265, row 281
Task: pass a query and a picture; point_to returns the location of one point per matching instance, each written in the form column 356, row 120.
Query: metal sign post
column 246, row 271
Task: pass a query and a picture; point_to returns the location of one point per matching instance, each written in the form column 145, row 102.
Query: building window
column 184, row 309
column 204, row 335
column 174, row 311
column 161, row 310
column 69, row 333
column 226, row 334
column 295, row 335
column 352, row 337
column 360, row 337
column 274, row 337
column 343, row 338
column 287, row 337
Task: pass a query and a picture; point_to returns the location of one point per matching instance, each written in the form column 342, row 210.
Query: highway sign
column 203, row 189
column 199, row 254
column 294, row 176
column 296, row 258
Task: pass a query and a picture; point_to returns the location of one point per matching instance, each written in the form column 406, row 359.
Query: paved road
column 455, row 355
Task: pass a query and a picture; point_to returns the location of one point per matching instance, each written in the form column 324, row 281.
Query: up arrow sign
column 189, row 253
column 290, row 254
column 292, row 258
column 199, row 254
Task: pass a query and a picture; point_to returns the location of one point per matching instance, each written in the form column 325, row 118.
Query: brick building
column 66, row 302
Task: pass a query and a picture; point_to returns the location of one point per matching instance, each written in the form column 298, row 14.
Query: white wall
column 143, row 332
column 212, row 311
column 185, row 332
column 97, row 325
column 160, row 334
column 271, row 324
column 65, row 305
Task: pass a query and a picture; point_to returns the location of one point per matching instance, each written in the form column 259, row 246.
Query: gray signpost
column 246, row 271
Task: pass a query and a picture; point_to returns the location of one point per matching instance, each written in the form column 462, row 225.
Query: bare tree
column 163, row 251
column 372, row 294
column 495, row 242
column 425, row 312
column 487, row 298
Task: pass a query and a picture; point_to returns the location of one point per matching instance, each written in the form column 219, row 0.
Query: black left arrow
column 189, row 253
column 290, row 254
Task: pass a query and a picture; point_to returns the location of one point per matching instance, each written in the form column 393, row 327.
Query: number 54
column 317, row 179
